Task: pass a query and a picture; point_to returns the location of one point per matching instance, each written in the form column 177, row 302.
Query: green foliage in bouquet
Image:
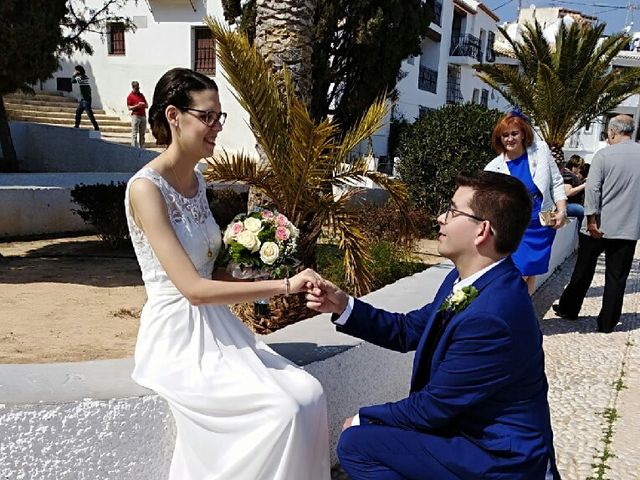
column 304, row 159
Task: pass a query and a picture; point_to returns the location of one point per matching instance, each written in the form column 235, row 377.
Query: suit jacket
column 482, row 400
column 613, row 191
column 544, row 172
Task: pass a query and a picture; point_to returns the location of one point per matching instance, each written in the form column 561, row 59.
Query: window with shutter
column 204, row 51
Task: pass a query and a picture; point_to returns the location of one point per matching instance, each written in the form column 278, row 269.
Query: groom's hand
column 347, row 423
column 327, row 298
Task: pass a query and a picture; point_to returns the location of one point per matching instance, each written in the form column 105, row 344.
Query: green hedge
column 439, row 145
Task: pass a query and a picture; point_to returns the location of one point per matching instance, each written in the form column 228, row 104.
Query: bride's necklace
column 200, row 227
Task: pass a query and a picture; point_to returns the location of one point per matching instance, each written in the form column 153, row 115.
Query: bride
column 241, row 410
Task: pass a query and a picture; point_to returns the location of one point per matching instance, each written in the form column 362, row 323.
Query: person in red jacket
column 137, row 105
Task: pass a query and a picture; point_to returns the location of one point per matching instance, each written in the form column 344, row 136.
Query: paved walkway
column 594, row 381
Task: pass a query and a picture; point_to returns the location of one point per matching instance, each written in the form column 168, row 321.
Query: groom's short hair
column 504, row 201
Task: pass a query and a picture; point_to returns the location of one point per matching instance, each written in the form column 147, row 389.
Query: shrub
column 226, row 204
column 381, row 222
column 438, row 146
column 103, row 207
column 389, row 262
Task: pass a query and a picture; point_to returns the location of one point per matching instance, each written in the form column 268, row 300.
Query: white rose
column 269, row 252
column 253, row 224
column 228, row 236
column 248, row 240
column 293, row 231
column 458, row 297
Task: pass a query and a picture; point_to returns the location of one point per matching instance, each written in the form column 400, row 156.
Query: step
column 42, row 103
column 70, row 114
column 67, row 121
column 53, row 96
column 47, row 108
column 87, row 125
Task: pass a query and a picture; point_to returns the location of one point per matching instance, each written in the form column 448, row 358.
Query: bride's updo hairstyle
column 174, row 88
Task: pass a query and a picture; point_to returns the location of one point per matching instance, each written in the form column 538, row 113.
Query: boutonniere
column 458, row 301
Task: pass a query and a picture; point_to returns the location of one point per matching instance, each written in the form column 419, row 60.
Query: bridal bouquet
column 261, row 244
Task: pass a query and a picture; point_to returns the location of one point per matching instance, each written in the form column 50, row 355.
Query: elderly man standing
column 612, row 225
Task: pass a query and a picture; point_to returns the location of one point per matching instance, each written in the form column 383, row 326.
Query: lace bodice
column 192, row 221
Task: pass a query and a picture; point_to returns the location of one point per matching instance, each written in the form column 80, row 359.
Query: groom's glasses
column 208, row 117
column 454, row 212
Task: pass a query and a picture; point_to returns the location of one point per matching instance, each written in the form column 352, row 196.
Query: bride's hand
column 305, row 281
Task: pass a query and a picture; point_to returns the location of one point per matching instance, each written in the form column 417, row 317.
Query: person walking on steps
column 84, row 103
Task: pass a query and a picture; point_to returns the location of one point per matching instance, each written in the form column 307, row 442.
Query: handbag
column 547, row 217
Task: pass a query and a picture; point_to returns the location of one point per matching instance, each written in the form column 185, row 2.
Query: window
column 115, row 38
column 204, row 51
column 484, row 99
column 491, row 55
column 476, row 96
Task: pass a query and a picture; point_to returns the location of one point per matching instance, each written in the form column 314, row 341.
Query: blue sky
column 613, row 12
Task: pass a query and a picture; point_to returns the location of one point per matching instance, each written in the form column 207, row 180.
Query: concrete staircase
column 53, row 108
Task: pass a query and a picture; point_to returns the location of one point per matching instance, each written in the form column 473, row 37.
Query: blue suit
column 477, row 407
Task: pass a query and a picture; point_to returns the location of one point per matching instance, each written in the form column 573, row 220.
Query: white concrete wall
column 166, row 42
column 49, row 148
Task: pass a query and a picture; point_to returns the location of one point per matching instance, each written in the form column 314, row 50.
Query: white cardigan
column 544, row 172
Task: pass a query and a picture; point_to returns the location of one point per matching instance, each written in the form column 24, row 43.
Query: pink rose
column 282, row 233
column 281, row 220
column 236, row 228
column 267, row 214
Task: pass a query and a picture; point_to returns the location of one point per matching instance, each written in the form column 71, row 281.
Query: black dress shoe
column 561, row 314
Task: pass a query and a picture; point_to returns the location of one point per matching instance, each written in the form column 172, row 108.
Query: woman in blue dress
column 531, row 162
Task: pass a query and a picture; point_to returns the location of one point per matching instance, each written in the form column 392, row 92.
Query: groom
column 477, row 406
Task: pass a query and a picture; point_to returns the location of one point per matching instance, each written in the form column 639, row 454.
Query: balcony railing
column 437, row 13
column 466, row 45
column 427, row 79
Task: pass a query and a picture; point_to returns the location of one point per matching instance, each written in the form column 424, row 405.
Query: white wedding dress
column 241, row 410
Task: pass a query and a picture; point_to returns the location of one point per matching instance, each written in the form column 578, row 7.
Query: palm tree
column 566, row 85
column 284, row 37
column 305, row 159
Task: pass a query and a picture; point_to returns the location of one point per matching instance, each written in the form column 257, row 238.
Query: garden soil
column 71, row 299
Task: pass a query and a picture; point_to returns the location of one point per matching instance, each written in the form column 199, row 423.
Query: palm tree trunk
column 284, row 36
column 558, row 154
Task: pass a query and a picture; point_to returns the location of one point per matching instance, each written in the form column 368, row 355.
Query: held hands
column 327, row 298
column 322, row 295
column 306, row 281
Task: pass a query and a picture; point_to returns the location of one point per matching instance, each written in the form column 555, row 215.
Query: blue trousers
column 575, row 210
column 85, row 105
column 380, row 452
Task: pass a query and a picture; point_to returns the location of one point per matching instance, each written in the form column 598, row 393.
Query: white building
column 461, row 35
column 170, row 33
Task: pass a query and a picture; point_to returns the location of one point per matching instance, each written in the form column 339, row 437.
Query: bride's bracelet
column 287, row 286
